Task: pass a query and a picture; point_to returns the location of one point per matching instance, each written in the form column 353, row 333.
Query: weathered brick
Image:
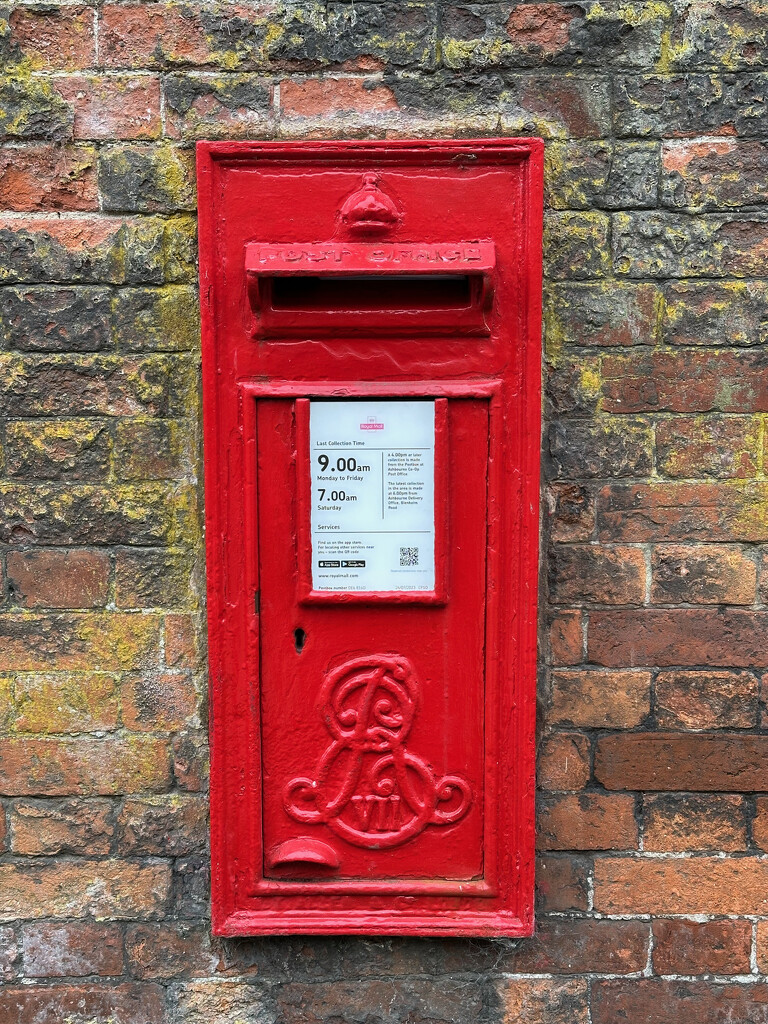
column 611, row 446
column 543, row 1000
column 562, row 883
column 587, row 821
column 604, row 175
column 760, row 823
column 32, row 109
column 672, row 511
column 83, row 888
column 328, row 97
column 708, row 446
column 91, row 249
column 153, row 450
column 674, row 762
column 10, row 953
column 715, row 313
column 701, row 947
column 48, row 177
column 438, row 999
column 201, row 1002
column 58, row 579
column 57, row 449
column 701, row 175
column 113, row 107
column 160, row 319
column 591, row 574
column 190, row 761
column 566, row 638
column 692, row 885
column 87, row 514
column 607, row 314
column 692, row 822
column 66, row 702
column 654, row 244
column 706, row 700
column 60, row 950
column 712, row 574
column 147, row 179
column 159, row 701
column 231, row 106
column 147, row 36
column 729, row 35
column 573, row 386
column 55, row 38
column 89, row 767
column 685, row 381
column 553, row 106
column 563, row 762
column 691, row 104
column 181, row 642
column 657, row 1001
column 160, row 951
column 153, row 578
column 51, row 827
column 162, row 826
column 600, row 700
column 108, row 642
column 55, row 319
column 728, row 639
column 581, row 946
column 576, row 245
column 762, row 946
column 571, row 509
column 191, row 891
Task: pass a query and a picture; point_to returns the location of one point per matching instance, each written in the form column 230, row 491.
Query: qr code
column 409, row 556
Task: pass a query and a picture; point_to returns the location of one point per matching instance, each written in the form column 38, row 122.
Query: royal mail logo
column 371, row 424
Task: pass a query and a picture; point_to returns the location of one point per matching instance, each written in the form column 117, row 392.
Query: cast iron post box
column 371, row 368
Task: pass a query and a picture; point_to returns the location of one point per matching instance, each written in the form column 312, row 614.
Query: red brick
column 162, row 701
column 66, row 949
column 541, row 28
column 181, row 646
column 760, row 823
column 728, row 639
column 327, row 96
column 119, row 1004
column 681, row 822
column 687, row 885
column 190, row 761
column 55, row 39
column 105, row 888
column 600, row 700
column 597, row 314
column 580, row 946
column 63, row 767
column 762, row 946
column 715, row 313
column 706, row 700
column 563, row 762
column 66, row 703
column 562, row 883
column 59, row 579
column 587, row 821
column 162, row 826
column 673, row 762
column 10, row 953
column 113, row 108
column 566, row 638
column 708, row 446
column 653, row 1001
column 49, row 827
column 543, row 1000
column 72, row 643
column 685, row 381
column 698, row 174
column 571, row 512
column 702, row 947
column 710, row 574
column 589, row 574
column 674, row 511
column 3, row 835
column 169, row 951
column 48, row 178
column 149, row 36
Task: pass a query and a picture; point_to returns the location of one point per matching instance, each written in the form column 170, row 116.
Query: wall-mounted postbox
column 371, row 348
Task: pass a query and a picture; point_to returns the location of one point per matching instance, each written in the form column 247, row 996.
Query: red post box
column 371, row 367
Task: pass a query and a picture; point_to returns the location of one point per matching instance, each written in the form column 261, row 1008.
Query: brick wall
column 653, row 826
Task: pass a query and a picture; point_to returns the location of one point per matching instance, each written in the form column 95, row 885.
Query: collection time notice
column 373, row 495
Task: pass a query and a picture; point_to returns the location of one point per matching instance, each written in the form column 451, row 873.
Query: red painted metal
column 372, row 751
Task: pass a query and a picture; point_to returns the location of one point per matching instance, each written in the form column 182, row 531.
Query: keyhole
column 299, row 638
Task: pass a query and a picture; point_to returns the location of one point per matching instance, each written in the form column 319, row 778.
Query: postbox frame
column 500, row 903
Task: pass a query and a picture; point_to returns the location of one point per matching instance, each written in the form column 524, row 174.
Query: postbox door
column 372, row 707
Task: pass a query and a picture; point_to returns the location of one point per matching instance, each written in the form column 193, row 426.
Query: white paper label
column 373, row 495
